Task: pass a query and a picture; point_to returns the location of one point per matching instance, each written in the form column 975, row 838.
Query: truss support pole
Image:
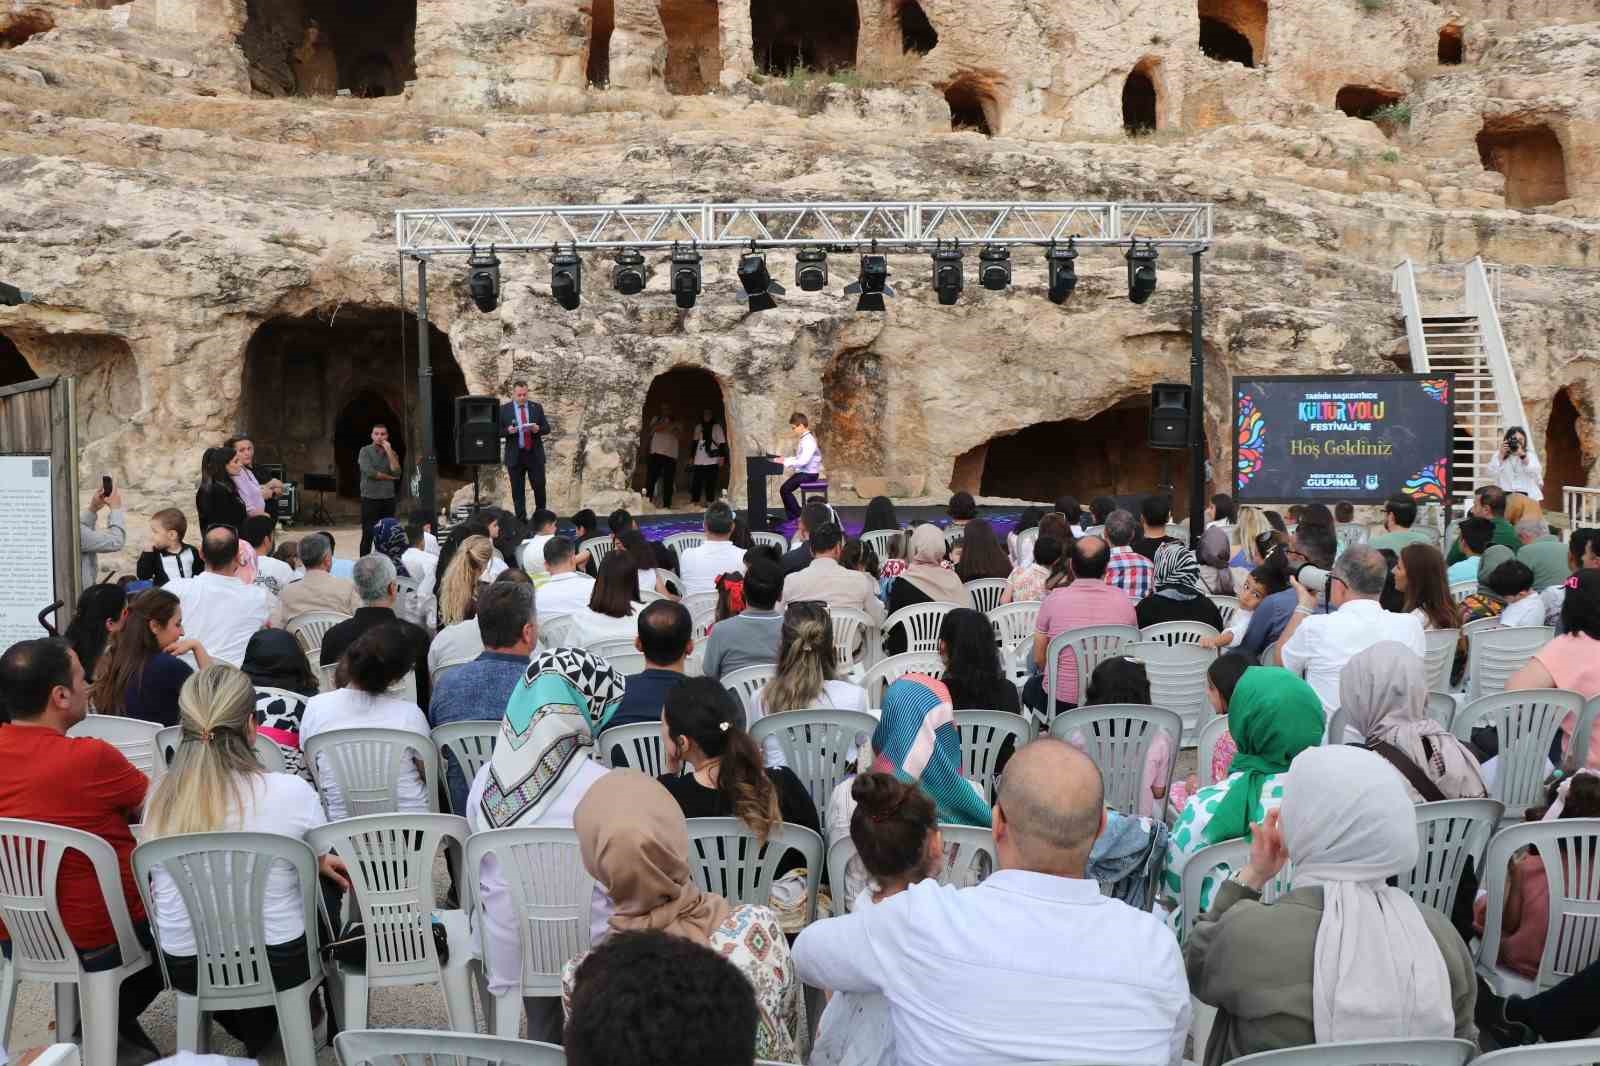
column 1197, row 405
column 428, row 466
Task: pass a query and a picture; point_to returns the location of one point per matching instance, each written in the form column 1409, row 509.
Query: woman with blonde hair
column 1252, row 524
column 215, row 785
column 807, row 666
column 458, row 589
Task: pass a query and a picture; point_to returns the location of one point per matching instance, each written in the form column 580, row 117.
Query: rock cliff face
column 208, row 228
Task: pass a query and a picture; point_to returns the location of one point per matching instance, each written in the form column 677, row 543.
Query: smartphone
column 105, row 484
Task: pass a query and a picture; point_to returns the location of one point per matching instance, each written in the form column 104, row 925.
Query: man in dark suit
column 524, row 427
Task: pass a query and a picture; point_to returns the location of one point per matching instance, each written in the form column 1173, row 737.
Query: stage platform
column 658, row 526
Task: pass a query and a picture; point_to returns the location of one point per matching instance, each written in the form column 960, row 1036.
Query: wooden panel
column 40, row 418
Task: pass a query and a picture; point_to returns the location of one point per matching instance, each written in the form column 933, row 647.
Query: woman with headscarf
column 1273, row 716
column 1180, row 595
column 1218, row 575
column 1343, row 956
column 539, row 771
column 413, row 603
column 1385, row 694
column 925, row 580
column 635, row 844
column 284, row 681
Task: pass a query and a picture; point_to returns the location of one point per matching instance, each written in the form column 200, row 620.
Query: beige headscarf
column 1386, row 696
column 935, row 582
column 635, row 843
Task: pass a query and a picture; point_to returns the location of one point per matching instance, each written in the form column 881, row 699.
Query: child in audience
column 1221, row 678
column 1250, row 597
column 1523, row 606
column 169, row 558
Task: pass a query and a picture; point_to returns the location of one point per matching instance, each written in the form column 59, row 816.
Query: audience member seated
column 412, row 602
column 1541, row 552
column 1221, row 511
column 651, row 584
column 1127, row 570
column 813, row 515
column 980, row 974
column 80, row 783
column 1489, row 501
column 981, row 553
column 749, row 638
column 217, row 500
column 1317, row 646
column 880, row 514
column 1026, row 582
column 1572, row 660
column 1019, row 553
column 1273, row 609
column 716, row 555
column 318, row 589
column 1087, row 601
column 374, row 664
column 1273, row 716
column 464, row 572
column 375, row 584
column 1252, row 526
column 924, row 581
column 168, row 558
column 462, row 642
column 1474, row 535
column 635, row 845
column 530, row 556
column 1580, row 556
column 613, row 609
column 1121, row 681
column 1222, row 677
column 1399, row 516
column 1155, row 512
column 827, row 581
column 220, row 612
column 860, row 558
column 1100, row 509
column 972, row 667
column 1344, row 956
column 541, row 768
column 1219, row 577
column 1523, row 605
column 663, row 633
column 634, row 993
column 566, row 590
column 143, row 674
column 807, row 672
column 1251, row 593
column 215, row 785
column 102, row 612
column 421, row 558
column 274, row 660
column 272, row 574
column 1346, row 529
column 1419, row 576
column 1180, row 594
column 1385, row 694
column 478, row 691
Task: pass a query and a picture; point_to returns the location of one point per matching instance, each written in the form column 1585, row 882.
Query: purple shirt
column 1085, row 602
column 250, row 491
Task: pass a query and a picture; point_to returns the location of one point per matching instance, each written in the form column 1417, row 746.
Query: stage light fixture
column 628, row 276
column 1141, row 271
column 947, row 272
column 1063, row 270
column 685, row 276
column 811, row 269
column 994, row 268
column 873, row 285
column 483, row 279
column 758, row 284
column 566, row 278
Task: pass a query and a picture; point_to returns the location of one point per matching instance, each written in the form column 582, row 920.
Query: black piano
column 756, row 470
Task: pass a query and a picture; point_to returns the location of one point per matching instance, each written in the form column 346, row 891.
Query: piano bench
column 814, row 490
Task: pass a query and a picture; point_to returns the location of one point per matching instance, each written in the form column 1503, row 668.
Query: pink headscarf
column 247, row 564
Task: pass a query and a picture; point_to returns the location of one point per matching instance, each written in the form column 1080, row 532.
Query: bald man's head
column 1052, row 801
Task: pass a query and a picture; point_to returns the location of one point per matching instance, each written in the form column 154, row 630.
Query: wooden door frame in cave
column 642, row 455
column 344, row 438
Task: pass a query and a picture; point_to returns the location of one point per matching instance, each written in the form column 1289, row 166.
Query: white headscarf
column 1378, row 973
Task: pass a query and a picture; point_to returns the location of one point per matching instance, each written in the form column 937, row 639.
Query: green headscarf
column 1273, row 717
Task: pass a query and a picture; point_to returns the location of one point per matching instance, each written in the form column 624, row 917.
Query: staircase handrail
column 1480, row 302
column 1404, row 285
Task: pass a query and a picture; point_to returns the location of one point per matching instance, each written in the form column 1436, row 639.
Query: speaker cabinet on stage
column 477, row 430
column 1169, row 416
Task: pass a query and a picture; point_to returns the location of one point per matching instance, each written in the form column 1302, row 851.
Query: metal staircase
column 1470, row 345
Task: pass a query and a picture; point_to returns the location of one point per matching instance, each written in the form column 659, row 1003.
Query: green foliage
column 1372, row 7
column 1395, row 114
column 1390, row 156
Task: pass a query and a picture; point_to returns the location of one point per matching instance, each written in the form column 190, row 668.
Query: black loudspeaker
column 1169, row 416
column 477, row 430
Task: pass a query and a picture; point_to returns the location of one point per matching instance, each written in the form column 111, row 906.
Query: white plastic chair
column 983, row 736
column 815, row 743
column 597, row 547
column 311, row 626
column 365, row 765
column 1025, row 542
column 1177, row 675
column 628, row 663
column 1178, row 632
column 1090, row 646
column 131, row 736
column 1338, row 723
column 1226, row 605
column 59, row 1055
column 1212, row 859
column 840, row 852
column 878, row 540
column 1478, row 624
column 1442, row 708
column 1404, row 1052
column 1495, row 654
column 325, row 675
column 747, row 683
column 670, row 580
column 855, row 640
column 727, row 859
column 553, row 633
column 1566, row 1053
column 885, row 672
column 969, row 854
column 412, row 1047
column 703, row 621
column 1117, row 738
column 1211, row 735
column 1567, row 847
column 1449, row 833
column 1460, row 590
column 222, row 881
column 953, row 535
column 610, row 646
column 391, row 862
column 640, row 744
column 551, row 895
column 986, row 592
column 41, row 950
column 1440, row 656
column 921, row 622
column 268, row 754
column 1526, row 722
column 1013, row 631
column 682, row 542
column 696, row 602
column 765, row 537
column 470, row 743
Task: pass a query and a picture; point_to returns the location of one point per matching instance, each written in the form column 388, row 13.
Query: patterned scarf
column 916, row 740
column 1178, row 573
column 1273, row 717
column 563, row 701
column 390, row 539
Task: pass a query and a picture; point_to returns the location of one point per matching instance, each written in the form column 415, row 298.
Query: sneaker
column 1493, row 1025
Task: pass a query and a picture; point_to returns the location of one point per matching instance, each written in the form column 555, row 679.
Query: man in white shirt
column 806, row 462
column 701, row 565
column 1032, row 965
column 421, row 565
column 274, row 575
column 219, row 610
column 824, row 579
column 531, row 553
column 567, row 590
column 1318, row 645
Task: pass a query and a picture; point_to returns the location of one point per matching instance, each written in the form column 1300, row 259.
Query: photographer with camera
column 1515, row 468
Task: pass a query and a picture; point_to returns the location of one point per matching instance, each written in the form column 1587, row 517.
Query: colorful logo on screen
column 1252, row 441
column 1437, row 388
column 1427, row 483
column 1345, row 413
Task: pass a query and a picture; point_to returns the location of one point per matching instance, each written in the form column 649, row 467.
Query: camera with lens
column 1312, row 577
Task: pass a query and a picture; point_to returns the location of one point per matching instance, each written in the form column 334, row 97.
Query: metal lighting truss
column 904, row 226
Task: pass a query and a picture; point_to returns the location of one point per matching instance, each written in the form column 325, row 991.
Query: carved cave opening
column 1364, row 101
column 317, row 47
column 916, row 32
column 694, row 45
column 108, row 390
column 816, row 35
column 972, row 106
column 1450, row 45
column 1567, row 455
column 14, row 368
column 682, row 394
column 1141, row 109
column 17, row 26
column 1531, row 158
column 1234, row 31
column 602, row 20
column 342, row 377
